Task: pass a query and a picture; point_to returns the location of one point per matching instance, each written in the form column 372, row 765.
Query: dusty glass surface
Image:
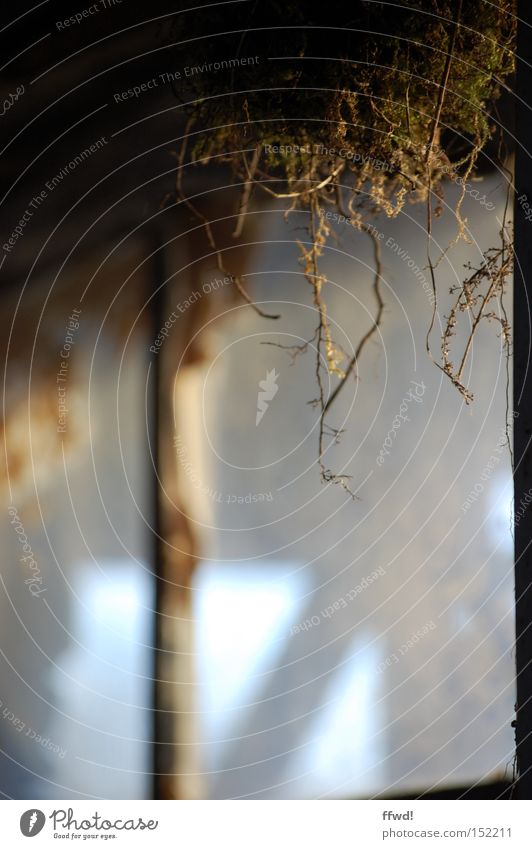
column 350, row 647
column 76, row 619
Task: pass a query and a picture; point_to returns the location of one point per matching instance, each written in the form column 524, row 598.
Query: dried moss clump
column 364, row 78
column 360, row 106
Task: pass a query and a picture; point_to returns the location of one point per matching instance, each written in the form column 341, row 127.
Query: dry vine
column 405, row 122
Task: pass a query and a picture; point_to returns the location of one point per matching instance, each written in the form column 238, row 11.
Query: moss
column 360, row 106
column 375, row 91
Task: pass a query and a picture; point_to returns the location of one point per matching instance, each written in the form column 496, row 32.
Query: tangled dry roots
column 360, row 116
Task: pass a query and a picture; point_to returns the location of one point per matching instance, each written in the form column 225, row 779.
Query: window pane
column 350, row 647
column 76, row 669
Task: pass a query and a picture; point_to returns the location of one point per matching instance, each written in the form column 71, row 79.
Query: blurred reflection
column 76, row 665
column 349, row 648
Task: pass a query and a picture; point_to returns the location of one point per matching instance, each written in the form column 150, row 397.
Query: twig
column 246, row 193
column 212, row 242
column 353, row 363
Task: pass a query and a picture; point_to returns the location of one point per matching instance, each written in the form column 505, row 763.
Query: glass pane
column 349, row 647
column 77, row 589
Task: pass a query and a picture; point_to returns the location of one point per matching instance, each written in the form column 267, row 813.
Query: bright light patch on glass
column 501, row 511
column 345, row 753
column 104, row 678
column 242, row 615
